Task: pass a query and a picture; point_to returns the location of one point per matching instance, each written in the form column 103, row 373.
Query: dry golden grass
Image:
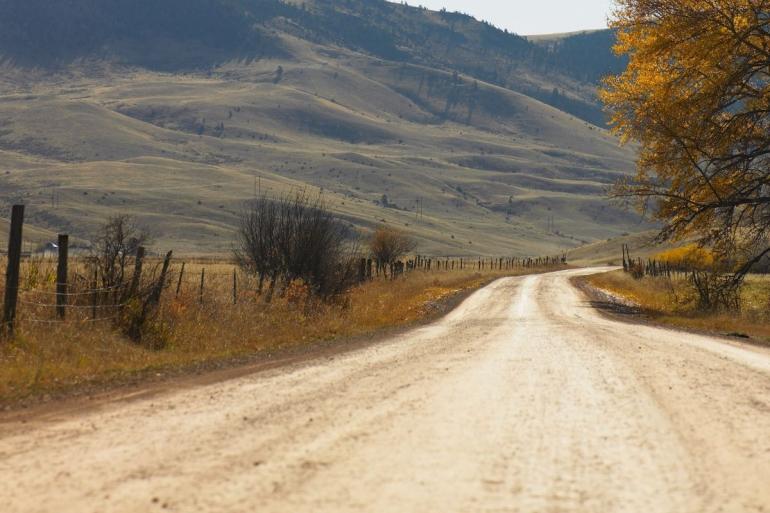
column 51, row 357
column 673, row 302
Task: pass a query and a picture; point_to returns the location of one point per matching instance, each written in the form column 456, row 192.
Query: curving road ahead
column 523, row 399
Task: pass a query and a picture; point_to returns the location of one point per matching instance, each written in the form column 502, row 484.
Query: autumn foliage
column 696, row 99
column 708, row 277
column 690, row 256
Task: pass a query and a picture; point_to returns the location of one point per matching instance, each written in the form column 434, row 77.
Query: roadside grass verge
column 58, row 358
column 673, row 302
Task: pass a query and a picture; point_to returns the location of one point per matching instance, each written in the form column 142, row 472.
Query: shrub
column 710, row 276
column 296, row 238
column 689, row 257
column 115, row 249
column 118, row 248
column 387, row 245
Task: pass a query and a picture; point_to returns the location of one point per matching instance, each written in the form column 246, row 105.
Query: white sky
column 530, row 17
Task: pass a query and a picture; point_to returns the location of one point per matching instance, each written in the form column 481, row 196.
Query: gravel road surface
column 523, row 399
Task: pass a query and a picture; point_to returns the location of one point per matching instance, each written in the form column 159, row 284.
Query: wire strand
column 86, row 293
column 83, row 307
column 68, row 321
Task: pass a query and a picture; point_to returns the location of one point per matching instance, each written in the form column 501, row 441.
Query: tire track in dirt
column 523, row 399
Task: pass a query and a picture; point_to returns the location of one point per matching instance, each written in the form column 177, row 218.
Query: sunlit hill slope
column 475, row 140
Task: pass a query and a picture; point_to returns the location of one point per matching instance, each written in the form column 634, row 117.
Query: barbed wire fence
column 61, row 289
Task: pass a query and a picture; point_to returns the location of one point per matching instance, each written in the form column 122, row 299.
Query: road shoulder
column 151, row 383
column 618, row 309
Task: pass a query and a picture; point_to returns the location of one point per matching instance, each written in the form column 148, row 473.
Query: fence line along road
column 67, row 298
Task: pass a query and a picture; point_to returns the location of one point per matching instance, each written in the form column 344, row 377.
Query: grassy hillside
column 609, row 252
column 173, row 35
column 467, row 164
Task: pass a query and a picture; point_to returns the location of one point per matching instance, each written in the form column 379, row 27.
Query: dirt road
column 524, row 399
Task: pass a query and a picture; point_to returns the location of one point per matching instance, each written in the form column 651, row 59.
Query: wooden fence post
column 61, row 276
column 203, row 279
column 235, row 287
column 136, row 279
column 12, row 272
column 179, row 282
column 158, row 290
column 135, row 329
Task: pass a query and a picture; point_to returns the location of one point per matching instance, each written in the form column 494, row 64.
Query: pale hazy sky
column 527, row 17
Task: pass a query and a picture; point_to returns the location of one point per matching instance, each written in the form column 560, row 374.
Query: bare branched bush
column 115, row 249
column 715, row 290
column 257, row 245
column 387, row 245
column 117, row 256
column 297, row 238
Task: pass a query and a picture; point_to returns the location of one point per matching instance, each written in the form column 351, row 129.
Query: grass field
column 609, row 251
column 672, row 302
column 52, row 358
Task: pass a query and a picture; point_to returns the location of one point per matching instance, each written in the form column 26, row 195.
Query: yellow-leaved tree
column 696, row 99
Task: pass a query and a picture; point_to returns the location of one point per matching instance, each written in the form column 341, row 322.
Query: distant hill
column 195, row 34
column 478, row 140
column 586, row 56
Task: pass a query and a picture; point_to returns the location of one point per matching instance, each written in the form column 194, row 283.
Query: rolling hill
column 476, row 140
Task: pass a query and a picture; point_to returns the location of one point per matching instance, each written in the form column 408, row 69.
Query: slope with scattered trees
column 449, row 118
column 190, row 34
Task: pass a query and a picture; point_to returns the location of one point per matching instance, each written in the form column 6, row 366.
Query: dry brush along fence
column 715, row 281
column 77, row 290
column 640, row 268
